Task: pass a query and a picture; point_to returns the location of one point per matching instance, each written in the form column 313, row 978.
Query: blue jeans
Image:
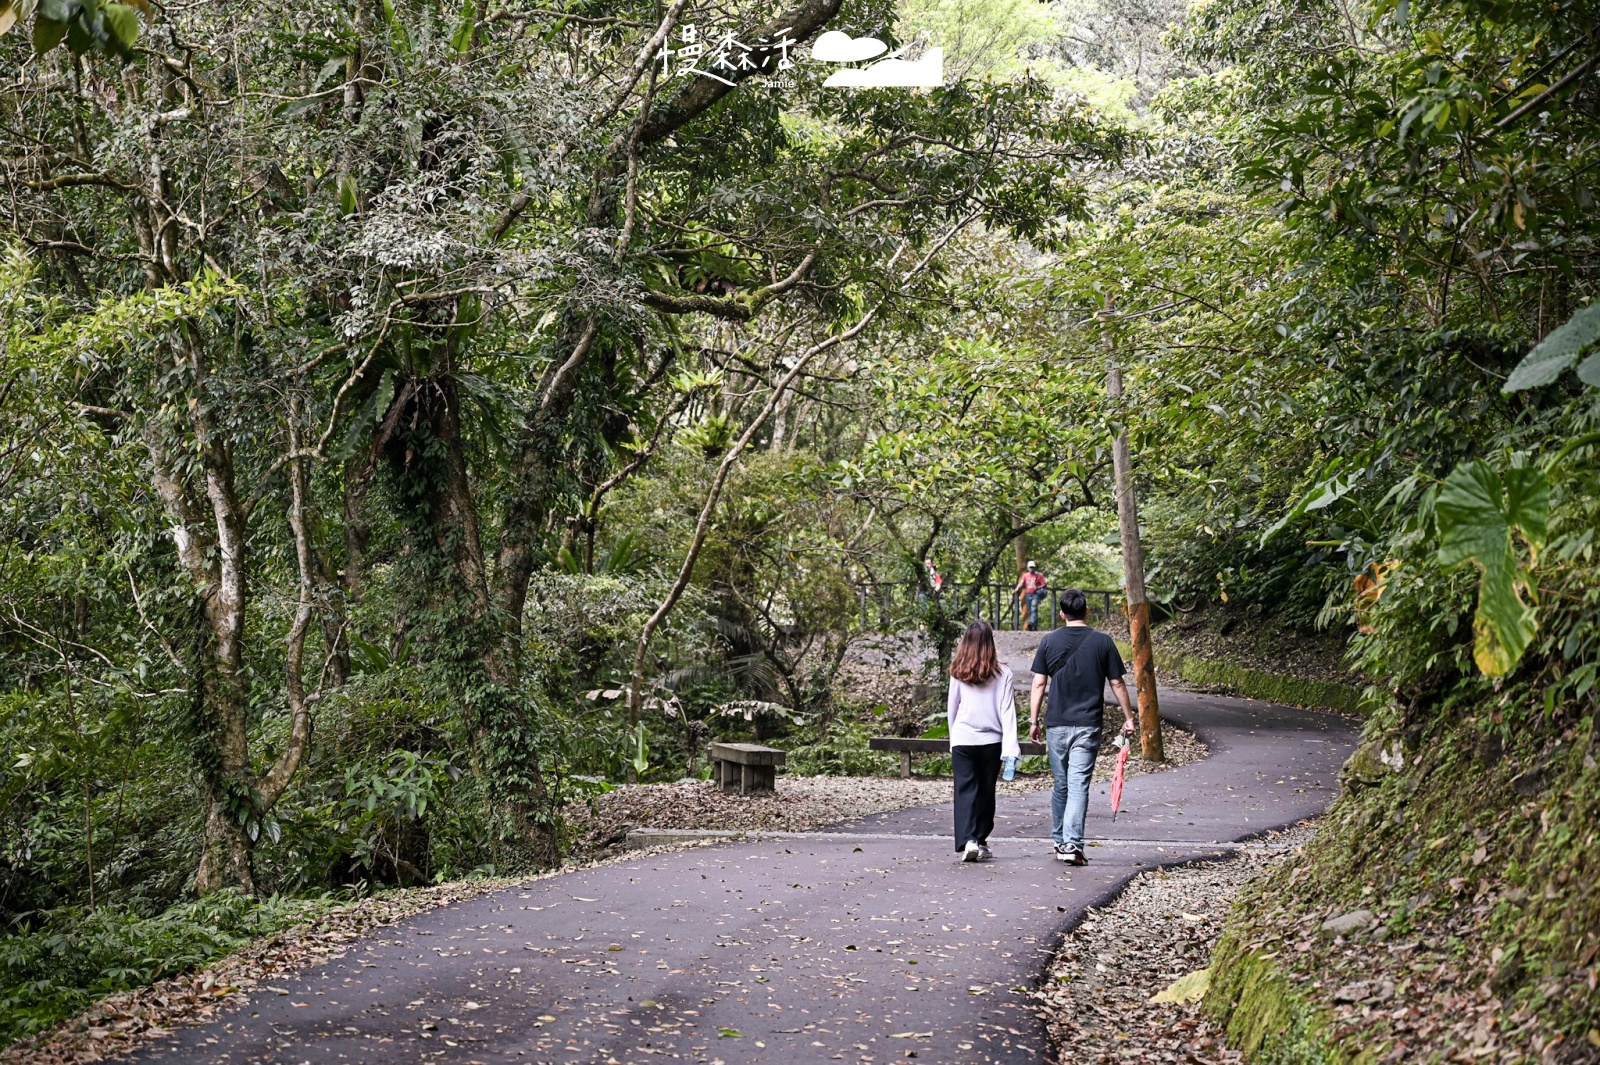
column 1033, row 599
column 1072, row 749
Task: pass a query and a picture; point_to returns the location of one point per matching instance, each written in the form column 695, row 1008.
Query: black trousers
column 975, row 768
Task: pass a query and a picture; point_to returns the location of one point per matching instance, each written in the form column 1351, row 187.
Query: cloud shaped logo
column 924, row 73
column 836, row 47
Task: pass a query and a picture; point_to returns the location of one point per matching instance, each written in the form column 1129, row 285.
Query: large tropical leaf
column 1478, row 510
column 1558, row 350
column 11, row 12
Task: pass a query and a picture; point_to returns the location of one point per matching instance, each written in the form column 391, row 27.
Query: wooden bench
column 745, row 767
column 907, row 747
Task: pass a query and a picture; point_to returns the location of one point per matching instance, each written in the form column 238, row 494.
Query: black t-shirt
column 1078, row 660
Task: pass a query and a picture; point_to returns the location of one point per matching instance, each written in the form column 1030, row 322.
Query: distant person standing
column 982, row 711
column 1033, row 587
column 931, row 587
column 1073, row 664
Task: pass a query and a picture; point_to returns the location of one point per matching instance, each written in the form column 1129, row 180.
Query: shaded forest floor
column 1253, row 640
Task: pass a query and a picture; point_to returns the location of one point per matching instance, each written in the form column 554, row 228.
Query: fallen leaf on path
column 1185, row 989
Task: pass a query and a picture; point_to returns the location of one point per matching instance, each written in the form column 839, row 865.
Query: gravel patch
column 1095, row 996
column 799, row 804
column 804, row 803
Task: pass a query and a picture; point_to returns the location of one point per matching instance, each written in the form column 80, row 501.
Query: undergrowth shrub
column 1467, row 820
column 841, row 751
column 58, row 962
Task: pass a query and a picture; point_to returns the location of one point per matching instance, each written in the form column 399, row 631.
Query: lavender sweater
column 984, row 713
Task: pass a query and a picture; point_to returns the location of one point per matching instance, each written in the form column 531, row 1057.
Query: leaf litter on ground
column 804, row 803
column 1127, row 984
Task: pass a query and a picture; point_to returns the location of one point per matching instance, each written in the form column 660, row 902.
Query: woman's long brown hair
column 976, row 661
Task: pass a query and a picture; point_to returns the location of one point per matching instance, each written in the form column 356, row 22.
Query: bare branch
column 1539, row 101
column 729, row 460
column 651, row 46
column 162, row 640
column 64, row 181
column 580, row 351
column 277, row 778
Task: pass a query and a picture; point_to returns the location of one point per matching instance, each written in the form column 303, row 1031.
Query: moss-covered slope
column 1448, row 910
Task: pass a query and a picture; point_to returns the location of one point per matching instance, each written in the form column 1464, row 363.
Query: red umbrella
column 1116, row 777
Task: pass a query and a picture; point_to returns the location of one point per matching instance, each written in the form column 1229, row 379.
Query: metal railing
column 1003, row 608
column 996, row 603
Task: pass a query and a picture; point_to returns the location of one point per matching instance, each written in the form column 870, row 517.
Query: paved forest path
column 865, row 944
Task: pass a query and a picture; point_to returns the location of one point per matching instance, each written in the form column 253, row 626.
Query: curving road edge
column 867, row 943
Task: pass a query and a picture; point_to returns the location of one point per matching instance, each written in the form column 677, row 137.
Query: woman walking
column 982, row 711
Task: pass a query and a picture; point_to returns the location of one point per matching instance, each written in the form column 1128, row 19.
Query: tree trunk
column 209, row 531
column 454, row 513
column 225, row 859
column 473, row 635
column 223, row 741
column 534, row 481
column 1144, row 669
column 211, row 548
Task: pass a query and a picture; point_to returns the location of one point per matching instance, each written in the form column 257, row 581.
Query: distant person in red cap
column 1033, row 587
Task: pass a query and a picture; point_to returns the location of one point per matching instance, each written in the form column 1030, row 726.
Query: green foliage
column 84, row 25
column 1317, row 367
column 839, row 750
column 56, row 962
column 401, row 790
column 640, row 761
column 1478, row 511
column 984, row 38
column 624, row 557
column 1558, row 350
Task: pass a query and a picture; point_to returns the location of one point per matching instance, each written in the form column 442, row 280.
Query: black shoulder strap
column 1075, row 649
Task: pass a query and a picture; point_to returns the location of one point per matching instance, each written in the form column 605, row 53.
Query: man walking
column 1073, row 664
column 1033, row 587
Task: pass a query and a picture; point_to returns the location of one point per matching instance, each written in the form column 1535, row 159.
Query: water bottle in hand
column 1010, row 767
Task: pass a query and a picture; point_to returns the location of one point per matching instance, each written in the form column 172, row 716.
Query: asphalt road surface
column 866, row 944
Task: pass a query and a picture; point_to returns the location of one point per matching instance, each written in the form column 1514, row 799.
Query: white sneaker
column 971, row 852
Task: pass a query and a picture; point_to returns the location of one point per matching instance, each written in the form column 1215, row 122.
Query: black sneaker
column 984, row 853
